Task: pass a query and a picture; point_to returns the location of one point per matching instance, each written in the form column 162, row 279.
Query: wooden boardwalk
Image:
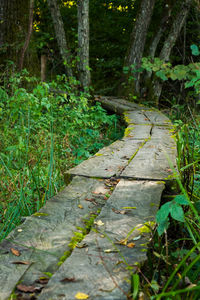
column 107, row 211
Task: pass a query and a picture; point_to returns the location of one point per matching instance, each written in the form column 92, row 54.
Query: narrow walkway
column 108, row 208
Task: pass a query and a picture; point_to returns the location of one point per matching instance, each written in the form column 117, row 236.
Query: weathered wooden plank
column 164, row 134
column 98, row 269
column 44, row 237
column 137, row 132
column 109, row 161
column 152, row 161
column 136, row 117
column 10, row 273
column 156, row 117
column 118, row 105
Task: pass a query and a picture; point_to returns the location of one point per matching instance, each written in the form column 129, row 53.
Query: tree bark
column 170, row 41
column 30, row 29
column 83, row 42
column 138, row 38
column 43, row 67
column 60, row 35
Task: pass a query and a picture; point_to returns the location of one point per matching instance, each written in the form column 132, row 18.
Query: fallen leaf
column 108, row 250
column 81, row 245
column 122, row 242
column 99, row 223
column 68, row 279
column 117, row 211
column 28, row 288
column 81, row 296
column 130, row 245
column 111, row 251
column 19, row 230
column 15, row 252
column 80, row 206
column 42, row 280
column 91, row 200
column 20, row 262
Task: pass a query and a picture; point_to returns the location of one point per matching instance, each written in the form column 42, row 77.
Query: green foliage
column 195, row 50
column 172, row 208
column 164, row 70
column 44, row 130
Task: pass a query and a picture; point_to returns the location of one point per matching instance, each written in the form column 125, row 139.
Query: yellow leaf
column 99, row 223
column 15, row 251
column 80, row 206
column 130, row 245
column 81, row 296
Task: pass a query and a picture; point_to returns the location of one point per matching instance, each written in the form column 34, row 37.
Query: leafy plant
column 45, row 128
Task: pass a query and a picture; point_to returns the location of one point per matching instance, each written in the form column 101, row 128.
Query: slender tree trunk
column 30, row 29
column 2, row 23
column 138, row 38
column 43, row 67
column 60, row 35
column 14, row 20
column 83, row 42
column 170, row 41
column 155, row 41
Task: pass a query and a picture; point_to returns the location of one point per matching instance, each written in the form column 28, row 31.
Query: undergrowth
column 45, row 128
column 173, row 266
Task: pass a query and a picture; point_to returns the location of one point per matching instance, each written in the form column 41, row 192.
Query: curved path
column 92, row 235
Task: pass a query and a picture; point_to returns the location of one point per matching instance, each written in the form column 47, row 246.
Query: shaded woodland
column 55, row 56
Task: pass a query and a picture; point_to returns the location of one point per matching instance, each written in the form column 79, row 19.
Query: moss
column 67, row 178
column 98, row 154
column 128, row 131
column 38, row 214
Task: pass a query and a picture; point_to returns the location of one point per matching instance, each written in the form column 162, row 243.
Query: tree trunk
column 30, row 29
column 43, row 67
column 2, row 23
column 138, row 38
column 155, row 41
column 13, row 21
column 83, row 42
column 60, row 35
column 170, row 41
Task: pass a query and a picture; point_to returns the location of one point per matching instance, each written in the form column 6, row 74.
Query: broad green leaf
column 195, row 50
column 135, row 285
column 163, row 212
column 181, row 199
column 163, row 226
column 177, row 213
column 125, row 70
column 155, row 286
column 162, row 75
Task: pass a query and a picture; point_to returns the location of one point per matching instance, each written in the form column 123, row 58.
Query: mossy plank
column 109, row 161
column 156, row 160
column 118, row 105
column 156, row 117
column 43, row 239
column 137, row 132
column 136, row 117
column 100, row 268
